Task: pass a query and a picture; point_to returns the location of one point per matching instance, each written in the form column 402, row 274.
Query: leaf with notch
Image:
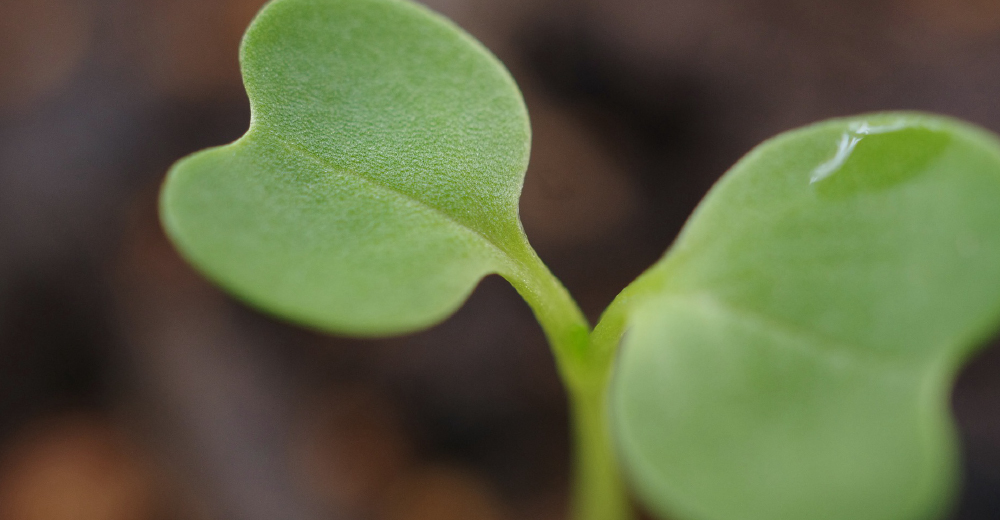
column 379, row 179
column 792, row 355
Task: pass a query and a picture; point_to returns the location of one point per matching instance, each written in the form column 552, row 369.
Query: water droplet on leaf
column 872, row 158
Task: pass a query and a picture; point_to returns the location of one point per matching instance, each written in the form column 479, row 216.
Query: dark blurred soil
column 131, row 389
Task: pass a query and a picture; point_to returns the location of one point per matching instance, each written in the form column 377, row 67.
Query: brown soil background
column 132, row 390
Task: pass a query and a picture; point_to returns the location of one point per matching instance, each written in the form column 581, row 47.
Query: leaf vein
column 830, row 351
column 333, row 168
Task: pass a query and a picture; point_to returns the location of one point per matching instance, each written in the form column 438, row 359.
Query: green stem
column 599, row 492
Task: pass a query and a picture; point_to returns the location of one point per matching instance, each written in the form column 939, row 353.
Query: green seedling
column 789, row 358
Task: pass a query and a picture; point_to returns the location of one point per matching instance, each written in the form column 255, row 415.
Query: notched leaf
column 792, row 355
column 379, row 180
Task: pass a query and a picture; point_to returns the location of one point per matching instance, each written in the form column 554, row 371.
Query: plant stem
column 599, row 492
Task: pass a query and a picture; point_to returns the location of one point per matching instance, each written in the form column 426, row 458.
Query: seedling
column 789, row 358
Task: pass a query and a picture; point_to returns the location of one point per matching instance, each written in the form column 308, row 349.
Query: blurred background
column 130, row 389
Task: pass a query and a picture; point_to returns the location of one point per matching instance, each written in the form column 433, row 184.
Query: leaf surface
column 379, row 180
column 792, row 355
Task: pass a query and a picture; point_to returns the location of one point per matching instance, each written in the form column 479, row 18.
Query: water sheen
column 871, row 158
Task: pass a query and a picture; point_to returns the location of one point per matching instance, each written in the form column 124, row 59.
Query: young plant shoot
column 790, row 357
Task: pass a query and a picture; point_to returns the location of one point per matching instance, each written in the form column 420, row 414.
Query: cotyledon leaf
column 379, row 179
column 792, row 355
